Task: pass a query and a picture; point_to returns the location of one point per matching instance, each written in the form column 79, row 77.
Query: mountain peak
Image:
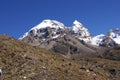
column 77, row 26
column 49, row 23
column 81, row 32
column 56, row 25
column 77, row 22
column 115, row 35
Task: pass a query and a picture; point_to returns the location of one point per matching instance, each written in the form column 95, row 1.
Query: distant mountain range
column 77, row 30
column 54, row 35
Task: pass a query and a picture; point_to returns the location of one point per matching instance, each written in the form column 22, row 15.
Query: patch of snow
column 88, row 39
column 0, row 72
column 117, row 40
column 63, row 35
column 43, row 39
column 56, row 36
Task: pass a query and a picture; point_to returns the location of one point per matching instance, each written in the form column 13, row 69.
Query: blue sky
column 18, row 16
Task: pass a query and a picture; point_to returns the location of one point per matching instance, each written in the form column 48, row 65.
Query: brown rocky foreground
column 20, row 61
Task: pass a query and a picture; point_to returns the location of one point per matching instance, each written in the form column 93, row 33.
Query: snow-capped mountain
column 41, row 28
column 55, row 28
column 114, row 34
column 54, row 35
column 110, row 40
column 80, row 31
column 53, row 31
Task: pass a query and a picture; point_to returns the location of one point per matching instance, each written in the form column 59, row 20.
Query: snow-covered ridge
column 97, row 40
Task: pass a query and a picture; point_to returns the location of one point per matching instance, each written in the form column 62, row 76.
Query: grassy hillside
column 20, row 61
column 113, row 54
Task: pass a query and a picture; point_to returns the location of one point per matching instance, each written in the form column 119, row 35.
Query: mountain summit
column 36, row 30
column 80, row 31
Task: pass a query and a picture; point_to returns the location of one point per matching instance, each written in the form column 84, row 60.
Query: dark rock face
column 65, row 48
column 108, row 42
column 60, row 48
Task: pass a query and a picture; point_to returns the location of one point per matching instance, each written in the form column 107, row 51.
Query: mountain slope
column 20, row 61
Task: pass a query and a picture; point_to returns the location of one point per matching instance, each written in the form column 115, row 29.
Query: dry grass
column 20, row 61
